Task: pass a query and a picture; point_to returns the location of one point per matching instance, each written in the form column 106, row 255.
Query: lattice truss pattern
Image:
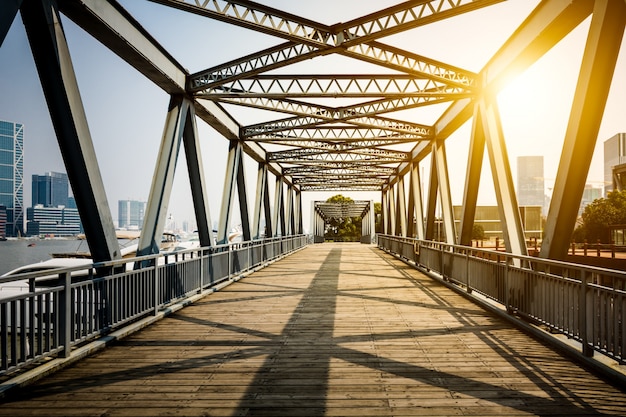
column 332, row 107
column 321, row 145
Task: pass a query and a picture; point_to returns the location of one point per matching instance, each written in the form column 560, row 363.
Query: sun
column 523, row 95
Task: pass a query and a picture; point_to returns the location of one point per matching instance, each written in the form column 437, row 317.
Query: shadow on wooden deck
column 336, row 329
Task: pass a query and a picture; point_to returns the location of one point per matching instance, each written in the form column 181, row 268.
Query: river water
column 15, row 253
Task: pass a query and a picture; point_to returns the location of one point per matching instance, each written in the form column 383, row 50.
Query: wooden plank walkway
column 335, row 330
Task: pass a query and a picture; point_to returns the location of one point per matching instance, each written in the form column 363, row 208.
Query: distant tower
column 50, row 190
column 12, row 176
column 615, row 163
column 130, row 214
column 530, row 181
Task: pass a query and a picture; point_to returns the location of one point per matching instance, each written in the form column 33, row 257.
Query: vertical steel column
column 163, row 178
column 230, row 182
column 502, row 179
column 197, row 180
column 384, row 211
column 372, row 222
column 279, row 209
column 290, row 211
column 415, row 208
column 261, row 191
column 441, row 165
column 313, row 224
column 49, row 47
column 472, row 179
column 392, row 210
column 401, row 213
column 431, row 204
column 8, row 11
column 243, row 198
column 299, row 229
column 598, row 65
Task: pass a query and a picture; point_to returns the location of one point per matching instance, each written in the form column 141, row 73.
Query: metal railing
column 63, row 308
column 584, row 303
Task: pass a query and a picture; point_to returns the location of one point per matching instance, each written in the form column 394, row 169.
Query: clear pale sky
column 126, row 112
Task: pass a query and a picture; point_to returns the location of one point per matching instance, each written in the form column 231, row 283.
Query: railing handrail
column 508, row 255
column 582, row 302
column 44, row 320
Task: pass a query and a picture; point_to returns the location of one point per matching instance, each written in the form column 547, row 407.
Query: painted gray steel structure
column 354, row 144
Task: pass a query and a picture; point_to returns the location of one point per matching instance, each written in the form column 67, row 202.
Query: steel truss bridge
column 365, row 144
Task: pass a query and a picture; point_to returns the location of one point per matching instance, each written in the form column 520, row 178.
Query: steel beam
column 401, row 215
column 115, row 28
column 546, row 26
column 472, row 179
column 243, row 199
column 197, row 180
column 261, row 189
column 291, row 224
column 431, row 199
column 299, row 223
column 50, row 51
column 322, row 39
column 503, row 180
column 392, row 219
column 163, row 178
column 598, row 65
column 279, row 209
column 337, row 85
column 228, row 195
column 415, row 207
column 445, row 196
column 384, row 210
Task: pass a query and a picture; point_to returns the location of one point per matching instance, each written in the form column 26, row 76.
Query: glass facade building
column 3, row 222
column 12, row 176
column 50, row 190
column 130, row 214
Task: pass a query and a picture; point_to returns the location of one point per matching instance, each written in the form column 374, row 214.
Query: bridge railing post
column 584, row 315
column 65, row 323
column 230, row 260
column 152, row 270
column 467, row 271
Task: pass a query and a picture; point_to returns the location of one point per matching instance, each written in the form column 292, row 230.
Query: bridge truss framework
column 317, row 146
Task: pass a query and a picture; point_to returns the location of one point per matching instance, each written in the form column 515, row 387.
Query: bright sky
column 126, row 112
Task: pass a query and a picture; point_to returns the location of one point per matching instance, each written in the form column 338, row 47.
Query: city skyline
column 534, row 108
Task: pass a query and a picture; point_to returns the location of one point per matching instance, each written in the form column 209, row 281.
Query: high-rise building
column 50, row 190
column 57, row 221
column 3, row 222
column 12, row 175
column 530, row 181
column 130, row 214
column 615, row 163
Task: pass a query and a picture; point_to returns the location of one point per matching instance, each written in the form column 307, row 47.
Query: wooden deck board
column 335, row 330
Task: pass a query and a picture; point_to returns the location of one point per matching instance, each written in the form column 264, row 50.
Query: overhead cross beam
column 308, row 39
column 376, row 139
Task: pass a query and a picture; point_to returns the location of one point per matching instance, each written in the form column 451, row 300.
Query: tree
column 599, row 215
column 348, row 229
column 478, row 232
